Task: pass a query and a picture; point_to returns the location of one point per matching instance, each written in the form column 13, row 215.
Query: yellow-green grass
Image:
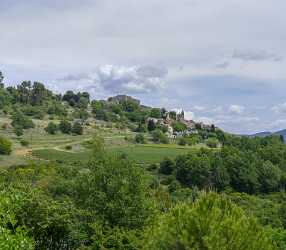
column 139, row 153
column 53, row 147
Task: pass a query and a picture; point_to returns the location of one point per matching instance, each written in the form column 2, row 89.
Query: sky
column 222, row 61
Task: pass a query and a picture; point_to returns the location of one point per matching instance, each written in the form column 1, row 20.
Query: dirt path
column 27, row 153
column 22, row 152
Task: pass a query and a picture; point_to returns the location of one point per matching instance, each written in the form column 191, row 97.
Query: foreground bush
column 12, row 235
column 213, row 222
column 9, row 240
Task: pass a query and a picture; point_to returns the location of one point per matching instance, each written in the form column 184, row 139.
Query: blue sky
column 222, row 61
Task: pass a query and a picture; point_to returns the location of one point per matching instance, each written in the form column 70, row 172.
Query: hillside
column 49, row 126
column 78, row 173
column 261, row 134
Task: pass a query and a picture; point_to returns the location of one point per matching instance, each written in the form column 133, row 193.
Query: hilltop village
column 166, row 118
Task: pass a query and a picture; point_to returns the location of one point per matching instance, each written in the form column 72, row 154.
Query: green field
column 139, row 153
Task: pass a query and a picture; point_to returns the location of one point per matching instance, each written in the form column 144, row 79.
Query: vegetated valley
column 86, row 174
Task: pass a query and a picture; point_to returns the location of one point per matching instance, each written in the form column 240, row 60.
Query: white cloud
column 121, row 79
column 218, row 110
column 255, row 55
column 236, row 109
column 278, row 124
column 210, row 66
column 207, row 120
column 199, row 108
column 280, row 108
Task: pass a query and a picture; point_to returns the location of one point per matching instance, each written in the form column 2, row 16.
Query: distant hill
column 261, row 134
column 267, row 133
column 281, row 132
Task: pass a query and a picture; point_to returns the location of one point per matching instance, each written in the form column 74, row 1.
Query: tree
column 129, row 105
column 242, row 170
column 142, row 128
column 115, row 190
column 221, row 177
column 77, row 128
column 212, row 142
column 83, row 102
column 65, row 127
column 212, row 222
column 22, row 121
column 5, row 146
column 58, row 109
column 155, row 113
column 179, row 126
column 38, row 94
column 140, row 138
column 151, row 125
column 173, row 115
column 81, row 114
column 269, row 177
column 1, row 80
column 52, row 128
column 18, row 130
column 48, row 221
column 167, row 166
column 193, row 170
column 159, row 137
column 182, row 141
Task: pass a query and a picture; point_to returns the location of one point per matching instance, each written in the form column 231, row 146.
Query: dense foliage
column 112, row 203
column 243, row 164
column 213, row 222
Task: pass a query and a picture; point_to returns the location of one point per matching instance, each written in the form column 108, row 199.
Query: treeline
column 34, row 99
column 243, row 164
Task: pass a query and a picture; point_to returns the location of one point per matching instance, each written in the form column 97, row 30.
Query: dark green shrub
column 140, row 138
column 52, row 128
column 182, row 141
column 5, row 146
column 77, row 129
column 18, row 131
column 166, row 166
column 24, row 143
column 65, row 127
column 212, row 142
column 159, row 137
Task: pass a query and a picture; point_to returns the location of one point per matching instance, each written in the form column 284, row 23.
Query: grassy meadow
column 54, row 147
column 149, row 153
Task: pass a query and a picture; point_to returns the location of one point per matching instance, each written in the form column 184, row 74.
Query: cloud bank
column 222, row 61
